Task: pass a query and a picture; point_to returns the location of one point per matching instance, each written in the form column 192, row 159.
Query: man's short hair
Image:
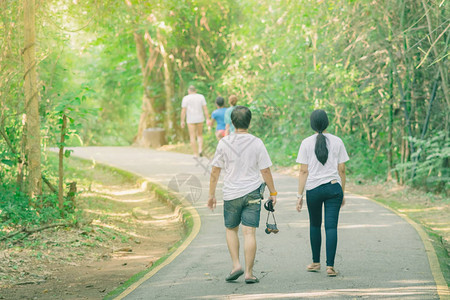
column 241, row 117
column 233, row 100
column 192, row 88
column 220, row 101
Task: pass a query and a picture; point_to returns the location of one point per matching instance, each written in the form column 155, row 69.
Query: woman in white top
column 192, row 108
column 322, row 158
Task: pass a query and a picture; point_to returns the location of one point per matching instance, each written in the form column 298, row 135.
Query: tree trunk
column 147, row 118
column 427, row 118
column 33, row 140
column 402, row 100
column 441, row 66
column 61, row 166
column 440, row 62
column 391, row 126
column 168, row 87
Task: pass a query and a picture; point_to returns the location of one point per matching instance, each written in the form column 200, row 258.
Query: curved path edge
column 441, row 284
column 185, row 207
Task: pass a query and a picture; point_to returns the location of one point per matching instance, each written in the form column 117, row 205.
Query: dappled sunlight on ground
column 343, row 211
column 99, row 212
column 297, row 225
column 118, row 200
column 127, row 192
column 441, row 229
column 353, row 226
column 411, row 292
column 423, row 209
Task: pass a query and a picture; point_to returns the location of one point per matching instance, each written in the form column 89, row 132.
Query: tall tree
column 147, row 62
column 168, row 85
column 33, row 139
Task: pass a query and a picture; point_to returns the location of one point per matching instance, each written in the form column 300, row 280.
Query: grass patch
column 87, row 173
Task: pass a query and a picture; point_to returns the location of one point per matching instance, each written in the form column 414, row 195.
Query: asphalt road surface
column 379, row 254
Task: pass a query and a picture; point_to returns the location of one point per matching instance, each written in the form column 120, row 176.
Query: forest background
column 101, row 72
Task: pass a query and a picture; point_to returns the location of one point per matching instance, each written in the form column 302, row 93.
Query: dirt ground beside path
column 127, row 229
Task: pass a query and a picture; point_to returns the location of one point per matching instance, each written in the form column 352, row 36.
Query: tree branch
column 27, row 232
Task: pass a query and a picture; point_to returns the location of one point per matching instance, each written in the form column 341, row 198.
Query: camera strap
column 273, row 216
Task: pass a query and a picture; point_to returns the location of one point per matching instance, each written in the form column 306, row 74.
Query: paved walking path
column 379, row 254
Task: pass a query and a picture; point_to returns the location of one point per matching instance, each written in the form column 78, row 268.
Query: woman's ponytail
column 319, row 122
column 321, row 149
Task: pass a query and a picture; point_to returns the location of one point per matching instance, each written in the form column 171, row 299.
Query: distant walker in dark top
column 219, row 116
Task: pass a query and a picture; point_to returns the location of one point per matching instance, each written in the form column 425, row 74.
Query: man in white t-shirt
column 193, row 112
column 243, row 158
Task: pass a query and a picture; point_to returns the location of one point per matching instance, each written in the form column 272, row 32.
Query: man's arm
column 205, row 110
column 302, row 176
column 227, row 129
column 268, row 179
column 214, row 178
column 183, row 117
column 341, row 170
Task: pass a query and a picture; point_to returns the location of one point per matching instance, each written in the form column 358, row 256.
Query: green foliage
column 112, row 70
column 366, row 63
column 16, row 211
column 365, row 163
column 334, row 55
column 73, row 106
column 429, row 166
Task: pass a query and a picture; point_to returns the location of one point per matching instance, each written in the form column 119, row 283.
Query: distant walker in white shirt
column 193, row 112
column 322, row 158
column 243, row 158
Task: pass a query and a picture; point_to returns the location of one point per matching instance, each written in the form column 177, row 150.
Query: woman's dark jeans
column 331, row 195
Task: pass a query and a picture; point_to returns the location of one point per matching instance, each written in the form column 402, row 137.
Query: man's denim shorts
column 245, row 209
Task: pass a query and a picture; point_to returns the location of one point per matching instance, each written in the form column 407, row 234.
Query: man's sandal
column 314, row 267
column 331, row 272
column 235, row 275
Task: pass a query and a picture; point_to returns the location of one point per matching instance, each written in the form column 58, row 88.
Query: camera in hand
column 271, row 228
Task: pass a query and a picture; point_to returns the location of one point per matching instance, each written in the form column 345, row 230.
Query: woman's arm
column 341, row 170
column 302, row 176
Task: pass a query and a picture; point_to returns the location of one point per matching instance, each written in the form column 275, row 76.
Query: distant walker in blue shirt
column 219, row 116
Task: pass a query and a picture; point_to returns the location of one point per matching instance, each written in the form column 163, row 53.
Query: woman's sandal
column 251, row 280
column 331, row 272
column 314, row 267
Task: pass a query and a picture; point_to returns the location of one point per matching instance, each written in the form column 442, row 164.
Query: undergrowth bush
column 16, row 211
column 429, row 167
